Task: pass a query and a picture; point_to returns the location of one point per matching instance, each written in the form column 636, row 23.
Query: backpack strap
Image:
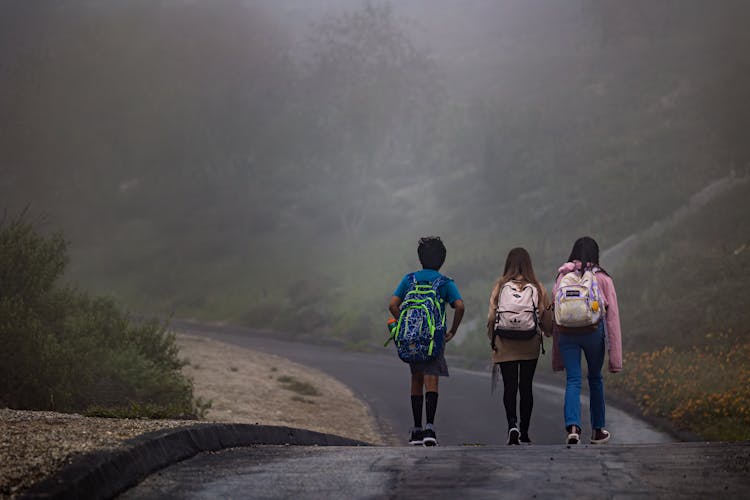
column 436, row 284
column 534, row 290
column 412, row 279
column 440, row 281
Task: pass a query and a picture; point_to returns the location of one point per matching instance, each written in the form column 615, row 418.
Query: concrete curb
column 105, row 474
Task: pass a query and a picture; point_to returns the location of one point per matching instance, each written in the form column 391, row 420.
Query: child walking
column 514, row 323
column 424, row 375
column 582, row 273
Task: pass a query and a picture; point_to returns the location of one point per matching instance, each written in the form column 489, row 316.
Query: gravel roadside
column 244, row 387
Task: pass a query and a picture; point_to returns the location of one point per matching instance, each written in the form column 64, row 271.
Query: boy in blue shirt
column 424, row 375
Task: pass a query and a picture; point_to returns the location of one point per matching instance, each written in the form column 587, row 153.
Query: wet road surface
column 680, row 470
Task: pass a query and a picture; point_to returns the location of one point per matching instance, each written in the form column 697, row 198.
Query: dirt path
column 247, row 386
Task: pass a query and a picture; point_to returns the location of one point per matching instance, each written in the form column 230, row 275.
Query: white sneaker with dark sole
column 514, row 436
column 429, row 438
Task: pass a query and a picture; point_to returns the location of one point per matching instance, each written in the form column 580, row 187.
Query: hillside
column 691, row 281
column 685, row 315
column 273, row 164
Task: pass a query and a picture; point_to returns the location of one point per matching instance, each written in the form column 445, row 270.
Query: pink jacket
column 614, row 334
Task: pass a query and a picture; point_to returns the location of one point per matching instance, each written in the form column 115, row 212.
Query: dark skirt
column 437, row 366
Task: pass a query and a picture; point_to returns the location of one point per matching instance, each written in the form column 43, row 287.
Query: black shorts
column 437, row 366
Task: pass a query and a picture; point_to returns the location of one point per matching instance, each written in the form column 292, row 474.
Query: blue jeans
column 592, row 345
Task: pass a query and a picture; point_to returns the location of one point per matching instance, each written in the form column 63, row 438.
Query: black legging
column 512, row 384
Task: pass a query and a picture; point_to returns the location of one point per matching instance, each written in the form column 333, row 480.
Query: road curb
column 105, row 474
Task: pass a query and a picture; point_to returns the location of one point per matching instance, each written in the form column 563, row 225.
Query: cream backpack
column 578, row 303
column 517, row 313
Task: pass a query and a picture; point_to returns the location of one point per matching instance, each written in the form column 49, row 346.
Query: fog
column 273, row 163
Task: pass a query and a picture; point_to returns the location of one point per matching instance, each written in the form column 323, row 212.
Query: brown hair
column 517, row 265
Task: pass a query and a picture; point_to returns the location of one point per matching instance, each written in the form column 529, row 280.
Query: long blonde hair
column 517, row 267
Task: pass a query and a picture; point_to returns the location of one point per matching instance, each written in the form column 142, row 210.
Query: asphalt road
column 471, row 462
column 679, row 470
column 467, row 411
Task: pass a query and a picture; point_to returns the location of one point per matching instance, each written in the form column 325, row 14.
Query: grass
column 705, row 389
column 135, row 410
column 302, row 388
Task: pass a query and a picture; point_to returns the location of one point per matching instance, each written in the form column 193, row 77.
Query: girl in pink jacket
column 604, row 337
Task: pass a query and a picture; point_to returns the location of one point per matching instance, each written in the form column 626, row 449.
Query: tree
column 369, row 92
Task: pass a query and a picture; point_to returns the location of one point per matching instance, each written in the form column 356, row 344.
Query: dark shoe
column 525, row 439
column 513, row 436
column 574, row 434
column 429, row 438
column 416, row 438
column 600, row 436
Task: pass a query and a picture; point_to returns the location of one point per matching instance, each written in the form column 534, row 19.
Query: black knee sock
column 416, row 410
column 431, row 406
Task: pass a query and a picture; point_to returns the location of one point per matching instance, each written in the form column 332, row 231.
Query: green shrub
column 65, row 351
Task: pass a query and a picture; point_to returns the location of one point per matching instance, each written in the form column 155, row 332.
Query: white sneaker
column 574, row 436
column 514, row 436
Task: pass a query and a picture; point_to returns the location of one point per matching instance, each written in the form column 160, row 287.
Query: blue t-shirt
column 448, row 291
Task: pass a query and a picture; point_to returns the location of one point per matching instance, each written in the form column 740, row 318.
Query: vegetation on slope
column 65, row 351
column 683, row 299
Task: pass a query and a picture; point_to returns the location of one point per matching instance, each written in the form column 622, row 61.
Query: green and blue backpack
column 419, row 334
